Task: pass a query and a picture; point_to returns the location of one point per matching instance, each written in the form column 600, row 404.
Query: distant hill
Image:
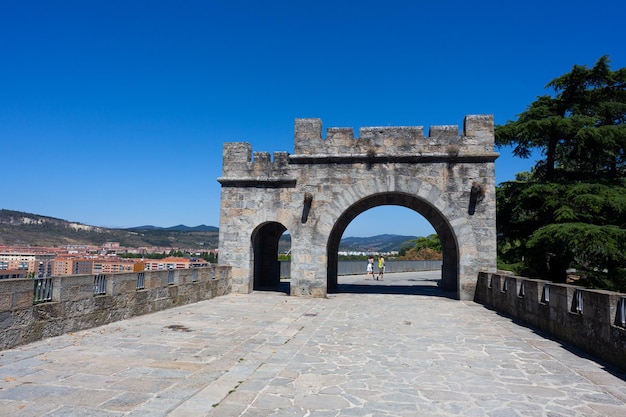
column 179, row 228
column 19, row 228
column 373, row 244
column 380, row 243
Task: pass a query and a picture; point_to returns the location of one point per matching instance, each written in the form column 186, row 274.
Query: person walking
column 381, row 269
column 370, row 268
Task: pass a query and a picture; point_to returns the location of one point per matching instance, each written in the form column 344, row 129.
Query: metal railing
column 621, row 312
column 545, row 294
column 577, row 302
column 43, row 290
column 100, row 284
column 170, row 277
column 360, row 267
column 141, row 280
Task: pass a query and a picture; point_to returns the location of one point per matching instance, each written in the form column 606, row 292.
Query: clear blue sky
column 114, row 113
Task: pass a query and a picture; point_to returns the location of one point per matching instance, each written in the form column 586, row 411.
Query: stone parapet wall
column 239, row 164
column 75, row 306
column 476, row 138
column 375, row 144
column 588, row 319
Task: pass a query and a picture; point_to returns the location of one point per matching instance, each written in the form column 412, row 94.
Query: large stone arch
column 315, row 192
column 426, row 209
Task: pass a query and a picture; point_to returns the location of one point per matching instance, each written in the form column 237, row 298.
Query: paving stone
column 264, row 354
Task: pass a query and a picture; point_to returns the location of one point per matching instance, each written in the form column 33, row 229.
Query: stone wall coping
column 425, row 157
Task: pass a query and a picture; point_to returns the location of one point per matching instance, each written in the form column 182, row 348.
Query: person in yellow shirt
column 381, row 268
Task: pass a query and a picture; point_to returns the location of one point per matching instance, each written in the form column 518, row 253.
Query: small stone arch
column 447, row 177
column 266, row 273
column 443, row 229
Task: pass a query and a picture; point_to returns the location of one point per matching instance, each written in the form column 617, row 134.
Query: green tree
column 570, row 210
column 422, row 248
column 209, row 257
column 580, row 130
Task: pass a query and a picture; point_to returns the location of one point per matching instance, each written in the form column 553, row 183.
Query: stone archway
column 265, row 251
column 449, row 271
column 315, row 192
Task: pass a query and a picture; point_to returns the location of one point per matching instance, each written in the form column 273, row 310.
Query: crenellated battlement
column 477, row 138
column 240, row 163
column 382, row 144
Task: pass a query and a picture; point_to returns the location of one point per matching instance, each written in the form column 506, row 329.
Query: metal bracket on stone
column 477, row 193
column 308, row 199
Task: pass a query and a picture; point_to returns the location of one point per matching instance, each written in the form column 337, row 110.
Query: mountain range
column 379, row 243
column 179, row 228
column 19, row 228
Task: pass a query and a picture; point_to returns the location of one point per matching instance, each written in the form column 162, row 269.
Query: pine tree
column 570, row 210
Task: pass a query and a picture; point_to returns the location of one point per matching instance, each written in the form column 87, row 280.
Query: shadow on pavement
column 413, row 283
column 283, row 287
column 429, row 290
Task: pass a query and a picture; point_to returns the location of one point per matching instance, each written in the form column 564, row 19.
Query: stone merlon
column 375, row 144
column 477, row 138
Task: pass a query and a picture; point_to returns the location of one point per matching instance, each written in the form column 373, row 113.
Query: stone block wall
column 588, row 319
column 74, row 306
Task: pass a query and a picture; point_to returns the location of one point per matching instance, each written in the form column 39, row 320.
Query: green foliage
column 586, row 243
column 581, row 130
column 429, row 247
column 512, row 267
column 352, row 257
column 570, row 210
column 430, row 242
column 209, row 257
column 564, row 225
column 143, row 255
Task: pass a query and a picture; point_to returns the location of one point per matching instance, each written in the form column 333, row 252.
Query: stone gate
column 316, row 192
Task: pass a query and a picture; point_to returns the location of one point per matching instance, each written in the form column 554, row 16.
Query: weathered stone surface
column 595, row 328
column 345, row 176
column 75, row 307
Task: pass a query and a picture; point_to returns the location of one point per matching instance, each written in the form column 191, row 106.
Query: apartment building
column 68, row 265
column 13, row 273
column 172, row 262
column 95, row 265
column 47, row 262
column 112, row 265
column 37, row 263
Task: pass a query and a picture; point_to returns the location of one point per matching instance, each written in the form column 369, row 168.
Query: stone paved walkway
column 353, row 354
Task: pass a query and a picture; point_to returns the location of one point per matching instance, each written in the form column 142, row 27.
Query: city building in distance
column 39, row 262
